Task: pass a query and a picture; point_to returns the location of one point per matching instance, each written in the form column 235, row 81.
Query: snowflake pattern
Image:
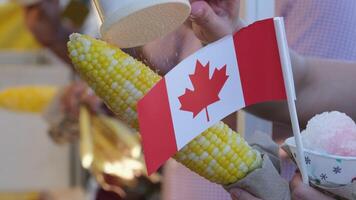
column 337, row 170
column 307, row 160
column 323, row 177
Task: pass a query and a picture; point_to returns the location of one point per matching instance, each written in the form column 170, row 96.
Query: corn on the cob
column 32, row 99
column 218, row 154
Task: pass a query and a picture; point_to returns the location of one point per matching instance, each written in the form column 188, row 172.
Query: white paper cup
column 131, row 23
column 324, row 169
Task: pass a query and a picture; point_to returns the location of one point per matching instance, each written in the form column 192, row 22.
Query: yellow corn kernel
column 32, row 99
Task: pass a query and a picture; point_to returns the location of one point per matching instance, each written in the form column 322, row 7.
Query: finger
column 230, row 10
column 71, row 96
column 72, row 106
column 233, row 197
column 207, row 25
column 301, row 191
column 234, row 7
column 238, row 194
column 78, row 89
column 296, row 181
column 203, row 15
column 50, row 8
column 304, row 192
column 92, row 102
column 64, row 99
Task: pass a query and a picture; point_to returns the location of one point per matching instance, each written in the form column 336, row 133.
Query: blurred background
column 33, row 164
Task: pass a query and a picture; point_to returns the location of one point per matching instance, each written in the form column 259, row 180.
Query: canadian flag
column 221, row 78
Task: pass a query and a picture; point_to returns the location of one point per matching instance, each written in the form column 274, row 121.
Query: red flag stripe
column 156, row 125
column 259, row 63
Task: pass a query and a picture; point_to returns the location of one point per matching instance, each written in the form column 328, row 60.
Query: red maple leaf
column 206, row 91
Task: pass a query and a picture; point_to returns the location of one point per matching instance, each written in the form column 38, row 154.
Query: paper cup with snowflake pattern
column 323, row 169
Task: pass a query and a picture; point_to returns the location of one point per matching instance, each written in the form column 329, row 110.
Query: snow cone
column 330, row 152
column 331, row 133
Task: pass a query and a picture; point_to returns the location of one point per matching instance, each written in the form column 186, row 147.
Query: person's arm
column 59, row 44
column 321, row 85
column 43, row 20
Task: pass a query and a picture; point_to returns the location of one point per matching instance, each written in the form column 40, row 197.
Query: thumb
column 207, row 25
column 202, row 14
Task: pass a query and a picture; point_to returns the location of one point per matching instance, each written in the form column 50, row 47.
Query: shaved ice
column 331, row 133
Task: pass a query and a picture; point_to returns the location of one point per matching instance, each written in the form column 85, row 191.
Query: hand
column 300, row 191
column 214, row 19
column 239, row 194
column 163, row 57
column 78, row 94
column 43, row 20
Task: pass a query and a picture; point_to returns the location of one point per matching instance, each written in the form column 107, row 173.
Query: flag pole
column 291, row 96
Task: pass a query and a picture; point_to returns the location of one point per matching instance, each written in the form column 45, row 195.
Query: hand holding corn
column 219, row 154
column 78, row 93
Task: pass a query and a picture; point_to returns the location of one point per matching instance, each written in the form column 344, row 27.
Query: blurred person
column 44, row 21
column 320, row 28
column 14, row 35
